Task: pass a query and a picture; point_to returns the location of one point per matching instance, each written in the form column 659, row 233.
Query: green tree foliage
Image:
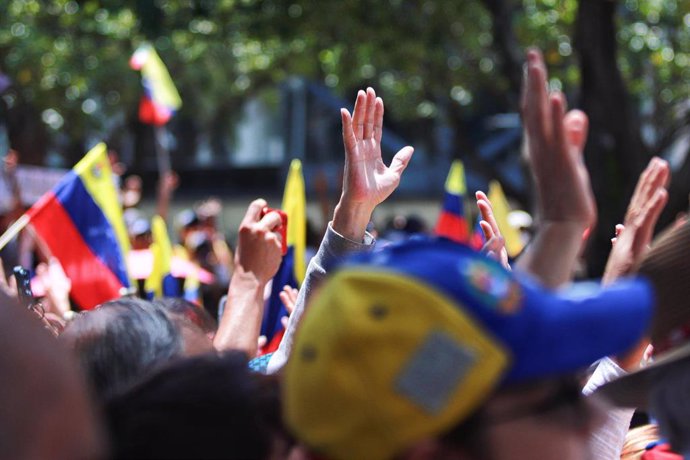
column 428, row 59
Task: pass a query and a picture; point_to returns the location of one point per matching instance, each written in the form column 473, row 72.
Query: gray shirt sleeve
column 333, row 247
column 606, row 442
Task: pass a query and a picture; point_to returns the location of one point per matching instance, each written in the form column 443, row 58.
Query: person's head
column 202, row 407
column 121, row 341
column 424, row 348
column 187, row 222
column 45, row 410
column 196, row 325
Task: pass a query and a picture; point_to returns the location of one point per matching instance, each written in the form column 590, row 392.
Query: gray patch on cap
column 434, row 371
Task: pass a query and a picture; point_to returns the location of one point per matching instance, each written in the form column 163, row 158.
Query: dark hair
column 188, row 310
column 121, row 341
column 208, row 406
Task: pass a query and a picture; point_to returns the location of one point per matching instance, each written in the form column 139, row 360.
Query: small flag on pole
column 160, row 99
column 160, row 282
column 452, row 223
column 80, row 221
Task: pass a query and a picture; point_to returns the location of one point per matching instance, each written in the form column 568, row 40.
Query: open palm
column 368, row 181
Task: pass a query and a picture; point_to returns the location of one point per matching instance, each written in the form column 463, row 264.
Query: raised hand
column 259, row 249
column 495, row 244
column 7, row 286
column 257, row 259
column 633, row 237
column 289, row 298
column 555, row 144
column 367, row 180
column 57, row 287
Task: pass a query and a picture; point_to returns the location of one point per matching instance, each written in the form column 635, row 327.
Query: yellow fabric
column 501, row 208
column 455, row 182
column 162, row 87
column 295, row 206
column 96, row 175
column 341, row 386
column 162, row 256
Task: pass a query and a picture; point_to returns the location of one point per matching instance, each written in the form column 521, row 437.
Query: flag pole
column 13, row 230
column 162, row 152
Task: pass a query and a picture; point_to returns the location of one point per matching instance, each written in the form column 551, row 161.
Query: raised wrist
column 243, row 282
column 351, row 219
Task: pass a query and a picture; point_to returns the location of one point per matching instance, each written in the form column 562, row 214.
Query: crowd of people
column 421, row 349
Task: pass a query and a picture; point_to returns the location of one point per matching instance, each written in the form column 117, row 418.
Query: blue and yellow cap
column 405, row 343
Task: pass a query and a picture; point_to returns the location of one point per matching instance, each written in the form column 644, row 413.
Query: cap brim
column 632, row 390
column 570, row 330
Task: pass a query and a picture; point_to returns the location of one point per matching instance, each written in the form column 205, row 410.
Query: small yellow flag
column 295, row 206
column 501, row 208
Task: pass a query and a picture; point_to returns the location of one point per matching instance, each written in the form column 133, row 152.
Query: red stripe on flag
column 92, row 282
column 453, row 227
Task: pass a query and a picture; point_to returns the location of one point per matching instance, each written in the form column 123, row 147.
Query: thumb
column 401, row 159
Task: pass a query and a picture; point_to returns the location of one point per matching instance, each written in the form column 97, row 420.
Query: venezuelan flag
column 501, row 208
column 477, row 239
column 160, row 282
column 292, row 268
column 160, row 99
column 452, row 223
column 80, row 221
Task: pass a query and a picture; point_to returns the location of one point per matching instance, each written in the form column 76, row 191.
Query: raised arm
column 367, row 181
column 634, row 236
column 257, row 260
column 555, row 143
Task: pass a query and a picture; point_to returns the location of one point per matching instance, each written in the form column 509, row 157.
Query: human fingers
column 349, row 140
column 536, row 96
column 486, row 230
column 253, row 213
column 642, row 181
column 271, row 221
column 369, row 115
column 576, row 126
column 649, row 217
column 487, row 211
column 359, row 114
column 557, row 113
column 378, row 119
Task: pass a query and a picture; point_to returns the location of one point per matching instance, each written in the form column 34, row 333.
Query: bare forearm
column 240, row 325
column 351, row 220
column 552, row 255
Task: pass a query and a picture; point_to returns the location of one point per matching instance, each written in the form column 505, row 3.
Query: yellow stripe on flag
column 295, row 206
column 162, row 256
column 501, row 208
column 96, row 175
column 163, row 89
column 455, row 182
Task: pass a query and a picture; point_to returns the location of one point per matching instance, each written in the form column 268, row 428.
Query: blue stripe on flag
column 92, row 224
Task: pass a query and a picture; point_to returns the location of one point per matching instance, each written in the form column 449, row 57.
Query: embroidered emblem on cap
column 491, row 285
column 443, row 358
